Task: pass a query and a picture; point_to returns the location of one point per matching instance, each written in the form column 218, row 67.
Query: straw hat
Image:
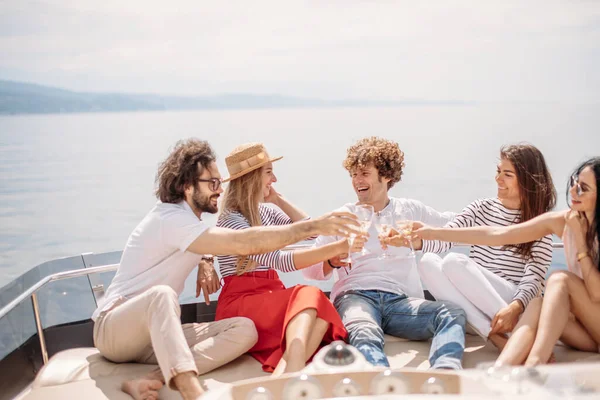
column 246, row 158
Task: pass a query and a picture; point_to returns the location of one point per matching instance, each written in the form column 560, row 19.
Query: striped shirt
column 527, row 274
column 279, row 260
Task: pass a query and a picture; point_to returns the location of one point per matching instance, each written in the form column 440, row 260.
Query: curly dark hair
column 182, row 168
column 384, row 154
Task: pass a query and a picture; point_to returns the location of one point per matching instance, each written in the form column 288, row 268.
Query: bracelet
column 333, row 266
column 582, row 255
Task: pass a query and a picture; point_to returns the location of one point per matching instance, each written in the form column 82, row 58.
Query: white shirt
column 397, row 274
column 155, row 253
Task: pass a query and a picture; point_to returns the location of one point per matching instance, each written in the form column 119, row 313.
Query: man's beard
column 203, row 203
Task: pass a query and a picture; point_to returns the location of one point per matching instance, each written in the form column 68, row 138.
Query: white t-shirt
column 397, row 274
column 156, row 254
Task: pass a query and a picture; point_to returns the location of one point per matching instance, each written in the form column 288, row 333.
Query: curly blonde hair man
column 384, row 154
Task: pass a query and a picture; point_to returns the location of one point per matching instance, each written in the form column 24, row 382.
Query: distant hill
column 28, row 98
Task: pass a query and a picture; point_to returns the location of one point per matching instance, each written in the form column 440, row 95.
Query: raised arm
column 320, row 271
column 465, row 219
column 289, row 261
column 263, row 239
column 294, row 213
column 579, row 226
column 285, row 261
column 536, row 228
column 304, row 258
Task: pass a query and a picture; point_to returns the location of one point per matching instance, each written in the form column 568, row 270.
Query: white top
column 155, row 253
column 527, row 273
column 397, row 274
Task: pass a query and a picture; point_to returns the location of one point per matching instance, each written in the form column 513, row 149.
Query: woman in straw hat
column 292, row 323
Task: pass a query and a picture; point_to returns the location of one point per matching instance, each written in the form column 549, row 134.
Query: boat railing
column 32, row 291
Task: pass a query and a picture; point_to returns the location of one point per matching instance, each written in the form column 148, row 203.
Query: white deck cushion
column 84, row 373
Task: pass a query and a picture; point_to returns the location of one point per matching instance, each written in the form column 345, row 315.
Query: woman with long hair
column 292, row 323
column 495, row 284
column 571, row 303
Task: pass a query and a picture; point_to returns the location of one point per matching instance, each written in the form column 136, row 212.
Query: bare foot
column 280, row 368
column 188, row 385
column 499, row 340
column 552, row 359
column 142, row 388
column 533, row 361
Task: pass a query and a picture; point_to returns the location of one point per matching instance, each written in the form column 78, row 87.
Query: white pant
column 462, row 281
column 147, row 329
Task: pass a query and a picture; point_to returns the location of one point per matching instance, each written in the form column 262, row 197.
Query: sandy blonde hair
column 243, row 195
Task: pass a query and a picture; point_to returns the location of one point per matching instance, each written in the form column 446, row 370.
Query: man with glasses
column 139, row 318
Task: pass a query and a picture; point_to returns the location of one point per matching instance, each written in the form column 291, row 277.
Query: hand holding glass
column 405, row 228
column 364, row 213
column 384, row 223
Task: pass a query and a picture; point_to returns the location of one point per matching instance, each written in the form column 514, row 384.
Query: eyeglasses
column 214, row 183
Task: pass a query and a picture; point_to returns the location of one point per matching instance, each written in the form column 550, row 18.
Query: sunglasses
column 214, row 183
column 574, row 182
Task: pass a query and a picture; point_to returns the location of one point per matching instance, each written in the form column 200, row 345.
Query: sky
column 469, row 50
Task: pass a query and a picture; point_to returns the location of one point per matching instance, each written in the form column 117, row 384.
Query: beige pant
column 147, row 329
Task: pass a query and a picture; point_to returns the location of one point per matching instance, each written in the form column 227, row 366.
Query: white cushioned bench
column 83, row 373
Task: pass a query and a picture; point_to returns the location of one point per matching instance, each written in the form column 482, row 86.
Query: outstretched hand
column 338, row 223
column 358, row 243
column 393, row 238
column 422, row 231
column 401, row 239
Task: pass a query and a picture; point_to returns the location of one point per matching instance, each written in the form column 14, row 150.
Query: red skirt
column 263, row 298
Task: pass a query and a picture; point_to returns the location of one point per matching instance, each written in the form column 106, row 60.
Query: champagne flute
column 384, row 221
column 364, row 213
column 348, row 258
column 405, row 227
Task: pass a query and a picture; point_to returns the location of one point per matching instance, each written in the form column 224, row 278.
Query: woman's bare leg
column 499, row 340
column 576, row 336
column 316, row 337
column 297, row 336
column 565, row 293
column 519, row 344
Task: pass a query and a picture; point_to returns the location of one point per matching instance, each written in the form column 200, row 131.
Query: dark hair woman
column 576, row 291
column 495, row 284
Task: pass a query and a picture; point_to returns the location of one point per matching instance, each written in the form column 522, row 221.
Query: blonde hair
column 243, row 195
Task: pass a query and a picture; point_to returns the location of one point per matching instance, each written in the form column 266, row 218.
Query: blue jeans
column 367, row 314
